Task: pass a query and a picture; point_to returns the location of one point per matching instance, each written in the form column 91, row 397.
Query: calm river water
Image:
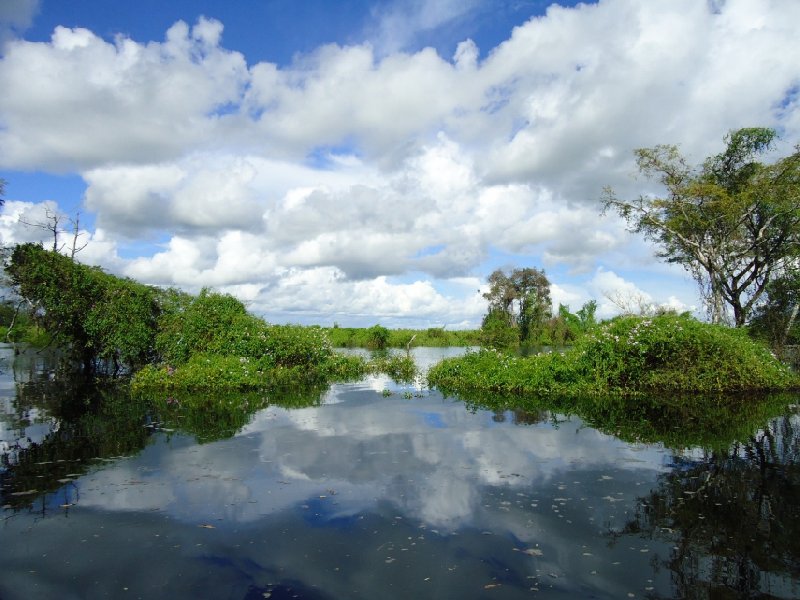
column 382, row 490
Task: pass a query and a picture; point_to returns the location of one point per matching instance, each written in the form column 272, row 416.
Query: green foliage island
column 627, row 356
column 170, row 341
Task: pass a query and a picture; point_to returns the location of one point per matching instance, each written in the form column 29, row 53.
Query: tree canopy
column 520, row 299
column 97, row 316
column 733, row 222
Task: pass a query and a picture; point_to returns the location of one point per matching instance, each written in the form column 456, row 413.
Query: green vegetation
column 359, row 337
column 628, row 356
column 170, row 340
column 95, row 316
column 775, row 320
column 733, row 223
column 16, row 325
column 519, row 306
column 519, row 315
column 400, row 368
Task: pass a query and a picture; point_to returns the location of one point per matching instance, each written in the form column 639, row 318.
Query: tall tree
column 523, row 297
column 733, row 222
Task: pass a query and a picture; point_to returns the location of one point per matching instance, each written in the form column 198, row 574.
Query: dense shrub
column 628, row 355
column 96, row 316
column 676, row 353
column 214, row 323
column 377, row 337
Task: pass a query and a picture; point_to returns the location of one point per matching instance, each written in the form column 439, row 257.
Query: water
column 361, row 494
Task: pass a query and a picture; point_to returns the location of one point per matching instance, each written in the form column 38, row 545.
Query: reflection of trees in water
column 89, row 423
column 733, row 517
column 530, row 417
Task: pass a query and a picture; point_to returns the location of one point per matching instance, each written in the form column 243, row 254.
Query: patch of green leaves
column 628, row 356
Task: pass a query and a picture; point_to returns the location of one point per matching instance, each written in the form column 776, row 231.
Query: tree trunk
column 717, row 303
column 792, row 317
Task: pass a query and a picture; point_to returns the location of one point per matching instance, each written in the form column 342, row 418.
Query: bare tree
column 76, row 233
column 53, row 225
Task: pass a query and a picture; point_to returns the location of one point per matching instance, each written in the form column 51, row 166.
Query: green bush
column 398, row 367
column 498, row 332
column 211, row 322
column 676, row 353
column 94, row 315
column 359, row 337
column 629, row 356
column 377, row 337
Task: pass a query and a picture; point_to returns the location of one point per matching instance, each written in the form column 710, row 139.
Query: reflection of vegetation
column 211, row 417
column 731, row 518
column 627, row 356
column 677, row 422
column 92, row 424
column 681, row 422
column 108, row 423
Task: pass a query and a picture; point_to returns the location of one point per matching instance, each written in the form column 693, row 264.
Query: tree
column 498, row 330
column 377, row 337
column 523, row 296
column 775, row 319
column 53, row 225
column 2, row 191
column 97, row 316
column 733, row 222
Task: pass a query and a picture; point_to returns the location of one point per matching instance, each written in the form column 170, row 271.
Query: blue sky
column 361, row 162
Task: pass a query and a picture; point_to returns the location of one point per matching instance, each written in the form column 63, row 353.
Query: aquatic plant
column 399, row 367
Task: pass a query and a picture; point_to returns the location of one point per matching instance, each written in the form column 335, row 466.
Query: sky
column 361, row 162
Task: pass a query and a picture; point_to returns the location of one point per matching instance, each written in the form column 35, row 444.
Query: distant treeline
column 378, row 337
